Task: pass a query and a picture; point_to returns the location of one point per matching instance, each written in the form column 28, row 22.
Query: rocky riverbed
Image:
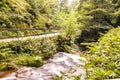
column 62, row 64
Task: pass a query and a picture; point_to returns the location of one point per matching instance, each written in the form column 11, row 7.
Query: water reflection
column 5, row 73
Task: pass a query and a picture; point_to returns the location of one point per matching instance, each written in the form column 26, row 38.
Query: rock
column 61, row 63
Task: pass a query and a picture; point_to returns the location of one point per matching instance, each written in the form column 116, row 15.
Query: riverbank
column 61, row 66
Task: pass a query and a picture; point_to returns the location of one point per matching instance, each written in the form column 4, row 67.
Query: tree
column 97, row 16
column 26, row 13
column 99, row 12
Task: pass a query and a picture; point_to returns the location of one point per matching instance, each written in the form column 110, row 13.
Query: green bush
column 62, row 44
column 35, row 46
column 70, row 28
column 28, row 60
column 4, row 67
column 26, row 53
column 104, row 57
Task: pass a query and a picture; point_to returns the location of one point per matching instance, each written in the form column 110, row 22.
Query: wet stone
column 69, row 64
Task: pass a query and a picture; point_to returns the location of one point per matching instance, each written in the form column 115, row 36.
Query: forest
column 87, row 27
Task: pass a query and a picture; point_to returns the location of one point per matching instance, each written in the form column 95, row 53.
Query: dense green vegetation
column 93, row 22
column 97, row 16
column 26, row 53
column 23, row 14
column 26, row 13
column 104, row 57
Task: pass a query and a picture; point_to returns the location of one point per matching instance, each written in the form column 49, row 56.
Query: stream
column 62, row 64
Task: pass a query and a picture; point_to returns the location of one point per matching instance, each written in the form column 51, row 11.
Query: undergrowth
column 32, row 52
column 104, row 57
column 26, row 53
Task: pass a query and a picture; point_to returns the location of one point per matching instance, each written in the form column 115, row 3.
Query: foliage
column 29, row 60
column 48, row 48
column 66, row 20
column 68, row 24
column 65, row 76
column 26, row 53
column 96, row 17
column 89, row 20
column 19, row 33
column 62, row 44
column 97, row 12
column 4, row 67
column 69, row 29
column 103, row 58
column 37, row 46
column 26, row 13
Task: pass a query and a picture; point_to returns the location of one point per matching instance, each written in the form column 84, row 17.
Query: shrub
column 6, row 54
column 104, row 57
column 48, row 48
column 35, row 46
column 29, row 60
column 62, row 44
column 26, row 53
column 70, row 28
column 4, row 67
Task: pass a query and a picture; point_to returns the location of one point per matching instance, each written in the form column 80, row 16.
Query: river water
column 62, row 64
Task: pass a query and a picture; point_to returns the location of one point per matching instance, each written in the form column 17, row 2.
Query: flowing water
column 5, row 73
column 60, row 65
